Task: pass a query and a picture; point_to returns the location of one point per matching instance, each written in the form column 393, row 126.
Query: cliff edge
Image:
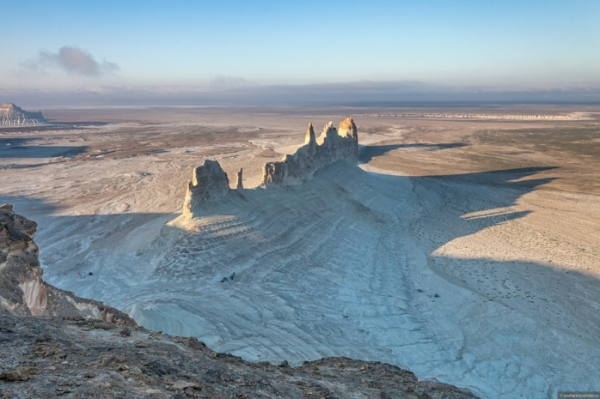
column 22, row 290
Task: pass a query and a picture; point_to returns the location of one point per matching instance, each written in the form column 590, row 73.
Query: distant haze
column 267, row 52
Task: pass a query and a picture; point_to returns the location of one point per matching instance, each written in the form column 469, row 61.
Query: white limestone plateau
column 452, row 249
column 11, row 115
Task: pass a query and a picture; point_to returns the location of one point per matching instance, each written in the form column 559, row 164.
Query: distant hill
column 11, row 115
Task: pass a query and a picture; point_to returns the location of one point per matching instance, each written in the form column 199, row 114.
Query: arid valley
column 465, row 246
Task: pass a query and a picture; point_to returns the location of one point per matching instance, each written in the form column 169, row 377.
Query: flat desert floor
column 465, row 247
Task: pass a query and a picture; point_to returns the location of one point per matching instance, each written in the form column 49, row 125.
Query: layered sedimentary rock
column 208, row 181
column 11, row 115
column 22, row 290
column 331, row 146
column 341, row 144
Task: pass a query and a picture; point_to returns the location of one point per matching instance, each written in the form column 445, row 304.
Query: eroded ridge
column 333, row 145
column 22, row 290
column 341, row 144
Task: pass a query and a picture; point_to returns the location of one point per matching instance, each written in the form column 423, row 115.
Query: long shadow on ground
column 366, row 153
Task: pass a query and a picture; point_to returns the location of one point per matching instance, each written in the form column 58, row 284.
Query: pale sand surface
column 499, row 218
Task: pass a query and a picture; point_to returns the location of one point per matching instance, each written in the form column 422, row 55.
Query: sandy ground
column 465, row 249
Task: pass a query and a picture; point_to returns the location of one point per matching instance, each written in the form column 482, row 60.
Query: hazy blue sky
column 207, row 46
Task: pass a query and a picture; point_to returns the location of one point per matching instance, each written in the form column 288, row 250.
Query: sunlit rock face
column 331, row 146
column 208, row 181
column 11, row 115
column 22, row 290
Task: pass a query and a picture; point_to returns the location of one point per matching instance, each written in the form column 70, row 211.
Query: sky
column 269, row 51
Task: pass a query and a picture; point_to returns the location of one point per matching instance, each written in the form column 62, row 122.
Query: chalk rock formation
column 11, row 115
column 239, row 185
column 208, row 181
column 22, row 290
column 333, row 145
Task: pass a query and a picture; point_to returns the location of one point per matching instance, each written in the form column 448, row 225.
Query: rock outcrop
column 11, row 115
column 239, row 185
column 331, row 146
column 341, row 144
column 208, row 181
column 45, row 357
column 22, row 290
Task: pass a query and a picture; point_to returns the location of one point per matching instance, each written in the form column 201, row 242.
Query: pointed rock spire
column 238, row 184
column 208, row 181
column 310, row 135
column 310, row 141
column 329, row 147
column 347, row 128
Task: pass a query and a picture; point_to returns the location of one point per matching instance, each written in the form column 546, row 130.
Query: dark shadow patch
column 367, row 152
column 21, row 148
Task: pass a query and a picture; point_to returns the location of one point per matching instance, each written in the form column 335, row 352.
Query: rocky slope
column 51, row 357
column 22, row 290
column 103, row 354
column 11, row 115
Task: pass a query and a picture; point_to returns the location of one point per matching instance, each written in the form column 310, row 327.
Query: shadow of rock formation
column 367, row 152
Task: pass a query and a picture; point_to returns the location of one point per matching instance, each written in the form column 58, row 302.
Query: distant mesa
column 341, row 144
column 11, row 115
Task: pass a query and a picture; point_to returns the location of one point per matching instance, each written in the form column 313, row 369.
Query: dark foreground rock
column 47, row 357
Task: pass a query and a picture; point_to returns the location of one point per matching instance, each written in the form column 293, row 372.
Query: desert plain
column 465, row 246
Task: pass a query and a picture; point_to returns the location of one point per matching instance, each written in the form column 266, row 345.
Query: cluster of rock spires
column 341, row 144
column 333, row 145
column 22, row 290
column 11, row 115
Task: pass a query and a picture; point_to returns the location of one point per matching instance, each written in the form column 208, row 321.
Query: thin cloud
column 221, row 81
column 73, row 60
